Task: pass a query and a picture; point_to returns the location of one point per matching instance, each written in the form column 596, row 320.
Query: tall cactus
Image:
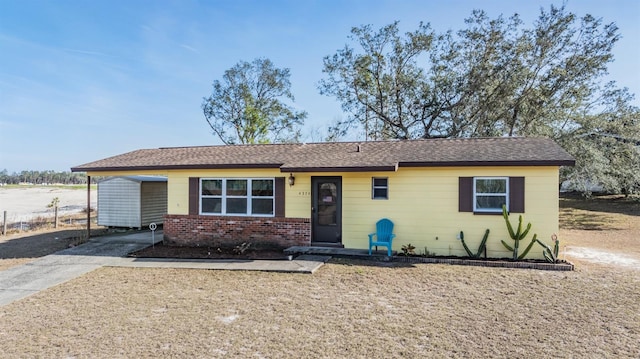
column 480, row 249
column 517, row 236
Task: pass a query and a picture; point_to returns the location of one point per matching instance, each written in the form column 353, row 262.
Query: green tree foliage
column 55, row 202
column 606, row 145
column 247, row 106
column 42, row 177
column 495, row 77
column 382, row 88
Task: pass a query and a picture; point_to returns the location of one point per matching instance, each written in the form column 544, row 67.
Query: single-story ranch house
column 332, row 194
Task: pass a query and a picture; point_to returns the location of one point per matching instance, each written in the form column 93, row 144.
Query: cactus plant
column 551, row 255
column 480, row 249
column 517, row 236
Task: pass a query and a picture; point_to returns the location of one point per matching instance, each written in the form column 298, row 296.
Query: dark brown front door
column 326, row 209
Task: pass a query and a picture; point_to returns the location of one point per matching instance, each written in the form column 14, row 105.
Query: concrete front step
column 332, row 251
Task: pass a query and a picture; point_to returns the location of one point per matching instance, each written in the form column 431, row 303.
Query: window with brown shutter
column 486, row 195
column 262, row 197
column 490, row 194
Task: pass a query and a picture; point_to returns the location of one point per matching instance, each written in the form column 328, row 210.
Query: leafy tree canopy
column 42, row 177
column 247, row 105
column 495, row 77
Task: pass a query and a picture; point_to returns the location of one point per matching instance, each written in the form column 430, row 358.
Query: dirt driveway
column 24, row 247
column 21, row 248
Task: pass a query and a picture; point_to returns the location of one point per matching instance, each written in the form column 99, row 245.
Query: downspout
column 88, row 206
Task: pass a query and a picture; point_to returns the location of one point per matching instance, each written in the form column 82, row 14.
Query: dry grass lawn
column 346, row 309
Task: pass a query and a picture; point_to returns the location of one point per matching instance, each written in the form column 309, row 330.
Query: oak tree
column 251, row 104
column 495, row 77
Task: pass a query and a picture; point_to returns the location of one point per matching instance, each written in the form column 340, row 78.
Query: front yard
column 348, row 309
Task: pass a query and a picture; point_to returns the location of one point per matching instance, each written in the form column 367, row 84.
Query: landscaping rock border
column 493, row 263
column 561, row 266
column 363, row 254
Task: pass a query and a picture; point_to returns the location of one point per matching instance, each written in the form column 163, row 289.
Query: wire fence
column 13, row 223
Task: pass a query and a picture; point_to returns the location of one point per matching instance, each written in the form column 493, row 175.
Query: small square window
column 380, row 188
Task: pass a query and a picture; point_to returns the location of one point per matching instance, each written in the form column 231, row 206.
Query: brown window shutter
column 279, row 196
column 194, row 195
column 465, row 194
column 516, row 194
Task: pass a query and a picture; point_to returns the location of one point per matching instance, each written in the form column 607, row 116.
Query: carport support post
column 88, row 207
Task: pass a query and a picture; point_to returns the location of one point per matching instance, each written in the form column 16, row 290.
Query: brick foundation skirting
column 217, row 231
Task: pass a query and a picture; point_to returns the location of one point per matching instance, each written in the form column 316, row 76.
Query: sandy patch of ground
column 603, row 257
column 25, row 203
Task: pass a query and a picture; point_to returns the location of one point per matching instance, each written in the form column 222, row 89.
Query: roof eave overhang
column 489, row 163
column 173, row 167
column 389, row 168
column 382, row 168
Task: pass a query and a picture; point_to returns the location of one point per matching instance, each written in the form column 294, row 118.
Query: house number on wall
column 304, row 193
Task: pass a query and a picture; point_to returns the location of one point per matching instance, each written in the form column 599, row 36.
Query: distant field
column 62, row 186
column 23, row 203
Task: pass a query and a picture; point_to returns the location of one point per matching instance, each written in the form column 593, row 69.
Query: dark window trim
column 465, row 194
column 279, row 187
column 516, row 194
column 194, row 195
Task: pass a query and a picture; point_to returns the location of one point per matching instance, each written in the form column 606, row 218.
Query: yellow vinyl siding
column 423, row 204
column 178, row 194
column 298, row 197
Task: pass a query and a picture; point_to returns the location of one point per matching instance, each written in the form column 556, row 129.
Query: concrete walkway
column 21, row 281
column 301, row 264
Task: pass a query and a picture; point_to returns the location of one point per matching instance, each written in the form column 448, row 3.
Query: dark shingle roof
column 345, row 156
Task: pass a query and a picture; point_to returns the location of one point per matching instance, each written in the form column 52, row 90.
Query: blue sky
column 84, row 80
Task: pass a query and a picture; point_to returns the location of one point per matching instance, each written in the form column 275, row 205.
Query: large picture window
column 490, row 194
column 237, row 196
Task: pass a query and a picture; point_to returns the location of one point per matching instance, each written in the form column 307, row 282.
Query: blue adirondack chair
column 384, row 235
